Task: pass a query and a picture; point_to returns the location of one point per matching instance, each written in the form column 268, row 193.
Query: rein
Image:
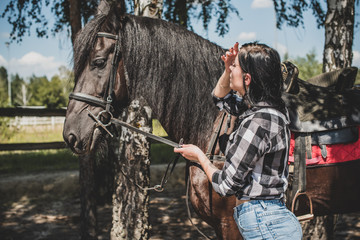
column 159, row 187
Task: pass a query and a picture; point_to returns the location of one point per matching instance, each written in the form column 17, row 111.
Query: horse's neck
column 175, row 72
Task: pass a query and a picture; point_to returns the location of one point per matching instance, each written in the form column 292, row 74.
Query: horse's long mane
column 172, row 68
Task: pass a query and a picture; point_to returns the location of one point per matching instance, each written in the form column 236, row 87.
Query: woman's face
column 236, row 77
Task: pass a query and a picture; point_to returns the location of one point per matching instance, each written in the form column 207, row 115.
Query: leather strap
column 83, row 97
column 299, row 163
column 239, row 201
column 215, row 136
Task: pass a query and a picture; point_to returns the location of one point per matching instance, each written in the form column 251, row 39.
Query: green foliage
column 161, row 153
column 181, row 12
column 39, row 91
column 21, row 97
column 26, row 15
column 291, row 12
column 5, row 132
column 3, row 87
column 308, row 66
column 36, row 86
column 54, row 97
column 357, row 80
column 67, row 80
column 16, row 85
column 45, row 93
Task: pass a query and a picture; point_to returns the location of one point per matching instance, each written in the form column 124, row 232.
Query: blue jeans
column 267, row 219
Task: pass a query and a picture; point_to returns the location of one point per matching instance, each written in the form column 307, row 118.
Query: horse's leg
column 215, row 210
column 87, row 197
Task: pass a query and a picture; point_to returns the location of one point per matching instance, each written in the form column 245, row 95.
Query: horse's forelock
column 86, row 38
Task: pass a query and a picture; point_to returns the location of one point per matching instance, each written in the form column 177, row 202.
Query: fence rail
column 33, row 112
column 32, row 146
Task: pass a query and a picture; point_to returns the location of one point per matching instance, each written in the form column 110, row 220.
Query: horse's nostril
column 72, row 140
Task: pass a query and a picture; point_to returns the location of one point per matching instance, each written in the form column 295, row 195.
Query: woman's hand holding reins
column 190, row 152
column 194, row 153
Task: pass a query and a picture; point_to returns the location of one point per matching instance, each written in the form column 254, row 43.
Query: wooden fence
column 21, row 112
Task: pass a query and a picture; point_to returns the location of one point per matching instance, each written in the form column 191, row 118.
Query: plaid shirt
column 256, row 153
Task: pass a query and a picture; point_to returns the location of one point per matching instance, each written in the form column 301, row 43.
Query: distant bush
column 5, row 132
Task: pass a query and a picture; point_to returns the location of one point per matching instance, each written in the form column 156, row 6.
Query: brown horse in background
column 174, row 70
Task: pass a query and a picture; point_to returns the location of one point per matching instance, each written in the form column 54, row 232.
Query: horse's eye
column 99, row 62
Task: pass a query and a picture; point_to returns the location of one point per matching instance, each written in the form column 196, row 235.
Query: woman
column 256, row 167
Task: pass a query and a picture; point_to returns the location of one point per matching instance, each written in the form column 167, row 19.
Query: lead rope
column 189, row 212
column 159, row 187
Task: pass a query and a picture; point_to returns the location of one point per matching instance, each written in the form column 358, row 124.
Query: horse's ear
column 117, row 5
column 103, row 8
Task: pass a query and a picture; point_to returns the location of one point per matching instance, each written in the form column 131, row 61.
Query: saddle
column 325, row 106
column 323, row 111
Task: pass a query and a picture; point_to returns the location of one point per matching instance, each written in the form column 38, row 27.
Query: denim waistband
column 252, row 204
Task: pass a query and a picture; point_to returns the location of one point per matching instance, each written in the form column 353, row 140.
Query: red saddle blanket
column 336, row 153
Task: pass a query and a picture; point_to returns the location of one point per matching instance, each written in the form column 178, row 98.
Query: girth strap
column 299, row 183
column 214, row 138
column 300, row 162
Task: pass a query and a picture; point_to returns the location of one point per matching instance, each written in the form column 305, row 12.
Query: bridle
column 106, row 102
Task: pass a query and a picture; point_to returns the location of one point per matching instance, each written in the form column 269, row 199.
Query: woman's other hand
column 229, row 57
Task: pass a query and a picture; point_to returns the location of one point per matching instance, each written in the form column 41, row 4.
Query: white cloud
column 247, row 36
column 356, row 59
column 4, row 35
column 281, row 49
column 261, row 4
column 3, row 62
column 34, row 59
column 34, row 63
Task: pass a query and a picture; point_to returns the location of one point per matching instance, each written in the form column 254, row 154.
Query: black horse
column 118, row 58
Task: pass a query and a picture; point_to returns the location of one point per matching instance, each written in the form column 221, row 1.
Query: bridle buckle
column 98, row 121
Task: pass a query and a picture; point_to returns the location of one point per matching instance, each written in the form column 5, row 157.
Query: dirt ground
column 47, row 206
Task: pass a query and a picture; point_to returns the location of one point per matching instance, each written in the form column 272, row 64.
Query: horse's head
column 99, row 86
column 171, row 68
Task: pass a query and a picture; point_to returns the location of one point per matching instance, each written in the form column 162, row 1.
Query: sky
column 41, row 56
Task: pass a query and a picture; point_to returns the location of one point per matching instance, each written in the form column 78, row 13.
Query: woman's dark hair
column 263, row 64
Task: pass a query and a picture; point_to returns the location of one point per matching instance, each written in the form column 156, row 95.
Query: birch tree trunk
column 148, row 8
column 339, row 34
column 339, row 31
column 131, row 203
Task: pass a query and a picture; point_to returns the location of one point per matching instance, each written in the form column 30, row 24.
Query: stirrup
column 305, row 217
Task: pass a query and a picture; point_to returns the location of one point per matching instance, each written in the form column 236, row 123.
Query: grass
column 161, row 153
column 33, row 134
column 24, row 162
